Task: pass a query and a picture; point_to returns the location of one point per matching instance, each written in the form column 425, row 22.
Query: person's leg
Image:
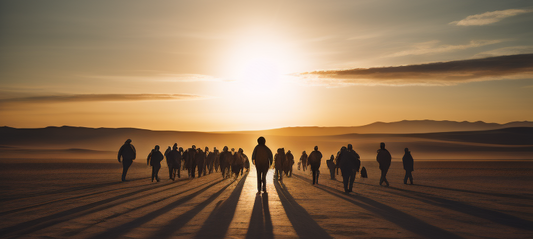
column 411, row 177
column 385, row 176
column 125, row 166
column 259, row 180
column 382, row 177
column 263, row 176
column 313, row 171
column 153, row 173
column 405, row 177
column 352, row 179
column 157, row 172
column 345, row 180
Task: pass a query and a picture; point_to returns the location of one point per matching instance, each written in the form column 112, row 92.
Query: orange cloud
column 100, row 97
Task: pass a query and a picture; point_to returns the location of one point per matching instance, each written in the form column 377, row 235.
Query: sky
column 250, row 65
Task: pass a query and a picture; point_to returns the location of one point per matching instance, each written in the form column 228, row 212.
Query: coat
column 155, row 158
column 384, row 159
column 349, row 160
column 408, row 162
column 174, row 159
column 315, row 159
column 262, row 158
column 127, row 152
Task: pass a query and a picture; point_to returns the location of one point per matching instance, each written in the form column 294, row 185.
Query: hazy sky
column 239, row 65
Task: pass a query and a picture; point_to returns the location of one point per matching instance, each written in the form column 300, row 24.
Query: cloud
column 489, row 17
column 100, row 98
column 159, row 77
column 512, row 50
column 440, row 73
column 432, row 47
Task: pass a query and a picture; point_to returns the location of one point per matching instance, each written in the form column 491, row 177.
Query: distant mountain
column 94, row 143
column 400, row 127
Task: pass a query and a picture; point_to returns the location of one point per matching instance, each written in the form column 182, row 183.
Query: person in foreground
column 262, row 159
column 315, row 159
column 349, row 164
column 128, row 154
column 408, row 166
column 154, row 159
column 384, row 160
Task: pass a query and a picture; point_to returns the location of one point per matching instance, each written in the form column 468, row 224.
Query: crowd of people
column 193, row 160
column 232, row 163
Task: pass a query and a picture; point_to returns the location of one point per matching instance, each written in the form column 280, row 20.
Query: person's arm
column 120, row 153
column 134, row 152
column 148, row 159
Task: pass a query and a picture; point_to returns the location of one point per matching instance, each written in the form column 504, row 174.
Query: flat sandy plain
column 86, row 199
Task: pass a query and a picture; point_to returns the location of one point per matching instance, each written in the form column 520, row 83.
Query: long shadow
column 127, row 227
column 77, row 231
column 218, row 222
column 390, row 214
column 260, row 225
column 494, row 216
column 301, row 221
column 482, row 193
column 69, row 190
column 76, row 197
column 47, row 221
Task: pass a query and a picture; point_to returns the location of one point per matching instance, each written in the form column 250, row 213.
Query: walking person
column 315, row 159
column 331, row 166
column 408, row 165
column 174, row 161
column 349, row 165
column 279, row 160
column 154, row 159
column 303, row 159
column 262, row 159
column 128, row 154
column 384, row 160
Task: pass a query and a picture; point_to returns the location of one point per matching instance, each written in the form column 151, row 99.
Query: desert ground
column 86, row 199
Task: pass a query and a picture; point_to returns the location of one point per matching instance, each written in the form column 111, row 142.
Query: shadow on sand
column 261, row 222
column 47, row 221
column 390, row 214
column 127, row 227
column 219, row 220
column 301, row 221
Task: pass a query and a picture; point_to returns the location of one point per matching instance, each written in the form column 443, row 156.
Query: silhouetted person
column 384, row 160
column 200, row 161
column 349, row 164
column 337, row 159
column 289, row 162
column 279, row 160
column 315, row 159
column 128, row 154
column 262, row 159
column 209, row 160
column 154, row 159
column 174, row 162
column 224, row 162
column 246, row 162
column 169, row 163
column 363, row 173
column 238, row 163
column 331, row 166
column 185, row 160
column 191, row 161
column 216, row 163
column 303, row 159
column 408, row 165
